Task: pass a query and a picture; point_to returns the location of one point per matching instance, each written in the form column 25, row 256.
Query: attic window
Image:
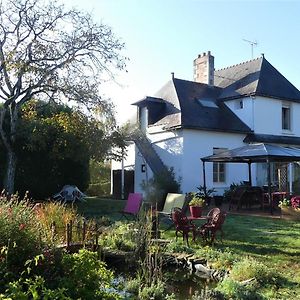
column 207, row 103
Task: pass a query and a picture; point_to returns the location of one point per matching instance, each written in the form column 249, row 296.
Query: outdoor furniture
column 182, row 225
column 246, row 196
column 275, row 198
column 69, row 193
column 215, row 220
column 133, row 205
column 172, row 200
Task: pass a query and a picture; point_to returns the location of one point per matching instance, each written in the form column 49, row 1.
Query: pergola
column 255, row 153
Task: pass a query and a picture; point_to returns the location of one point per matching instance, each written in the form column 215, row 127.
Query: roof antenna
column 252, row 43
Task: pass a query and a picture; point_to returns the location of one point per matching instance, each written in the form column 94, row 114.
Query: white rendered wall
column 246, row 113
column 267, row 114
column 198, row 144
column 168, row 145
column 263, row 115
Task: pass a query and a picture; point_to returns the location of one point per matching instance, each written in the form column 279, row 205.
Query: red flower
column 22, row 226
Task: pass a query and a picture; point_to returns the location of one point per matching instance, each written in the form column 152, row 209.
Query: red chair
column 182, row 225
column 215, row 220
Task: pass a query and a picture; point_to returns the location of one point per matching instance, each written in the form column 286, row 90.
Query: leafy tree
column 55, row 145
column 50, row 53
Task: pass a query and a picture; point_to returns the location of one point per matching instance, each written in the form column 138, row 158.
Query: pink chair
column 133, row 205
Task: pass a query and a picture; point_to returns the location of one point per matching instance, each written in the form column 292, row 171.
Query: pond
column 181, row 282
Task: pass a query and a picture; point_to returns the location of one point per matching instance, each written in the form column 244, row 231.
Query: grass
column 98, row 207
column 274, row 242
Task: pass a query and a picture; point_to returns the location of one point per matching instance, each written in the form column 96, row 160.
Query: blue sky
column 164, row 36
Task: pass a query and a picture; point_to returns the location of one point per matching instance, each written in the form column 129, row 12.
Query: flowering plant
column 196, row 201
column 284, row 203
column 295, row 202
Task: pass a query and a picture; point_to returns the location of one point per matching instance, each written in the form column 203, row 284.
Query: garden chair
column 172, row 200
column 182, row 225
column 215, row 220
column 133, row 205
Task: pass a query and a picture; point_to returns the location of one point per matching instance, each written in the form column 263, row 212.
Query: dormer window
column 286, row 117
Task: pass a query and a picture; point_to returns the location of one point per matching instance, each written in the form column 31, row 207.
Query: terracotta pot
column 195, row 211
column 290, row 213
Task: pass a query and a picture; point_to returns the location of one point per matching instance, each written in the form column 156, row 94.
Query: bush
column 86, row 277
column 250, row 268
column 234, row 290
column 20, row 234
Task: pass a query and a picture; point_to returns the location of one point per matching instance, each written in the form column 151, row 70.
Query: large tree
column 50, row 53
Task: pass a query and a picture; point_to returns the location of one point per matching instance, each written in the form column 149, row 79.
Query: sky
column 164, row 36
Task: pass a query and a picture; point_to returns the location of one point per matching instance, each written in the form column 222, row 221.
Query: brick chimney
column 204, row 68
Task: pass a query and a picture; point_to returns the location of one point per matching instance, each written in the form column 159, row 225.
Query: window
column 219, row 168
column 239, row 104
column 286, row 117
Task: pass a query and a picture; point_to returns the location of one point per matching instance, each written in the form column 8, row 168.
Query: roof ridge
column 242, row 63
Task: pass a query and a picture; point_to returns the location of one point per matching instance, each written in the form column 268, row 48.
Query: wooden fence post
column 83, row 231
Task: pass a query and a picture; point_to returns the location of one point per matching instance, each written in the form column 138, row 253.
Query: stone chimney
column 204, row 68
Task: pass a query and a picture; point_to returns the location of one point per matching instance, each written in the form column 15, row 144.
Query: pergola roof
column 256, row 153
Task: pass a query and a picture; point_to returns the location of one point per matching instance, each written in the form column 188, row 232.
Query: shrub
column 56, row 212
column 86, row 277
column 120, row 236
column 250, row 268
column 20, row 234
column 234, row 290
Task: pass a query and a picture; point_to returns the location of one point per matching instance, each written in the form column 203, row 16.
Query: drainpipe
column 122, row 176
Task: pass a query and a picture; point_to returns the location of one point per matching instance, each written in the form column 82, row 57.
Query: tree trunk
column 9, row 181
column 8, row 139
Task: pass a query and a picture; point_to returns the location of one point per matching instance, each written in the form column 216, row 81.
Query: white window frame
column 217, row 176
column 286, row 124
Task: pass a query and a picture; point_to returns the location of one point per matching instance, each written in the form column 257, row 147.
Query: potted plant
column 205, row 193
column 196, row 204
column 290, row 209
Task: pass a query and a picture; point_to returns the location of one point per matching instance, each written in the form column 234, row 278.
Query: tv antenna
column 252, row 44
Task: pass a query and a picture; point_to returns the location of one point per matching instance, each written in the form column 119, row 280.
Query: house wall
column 198, row 144
column 169, row 146
column 246, row 113
column 263, row 115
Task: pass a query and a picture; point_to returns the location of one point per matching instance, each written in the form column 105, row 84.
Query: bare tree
column 48, row 52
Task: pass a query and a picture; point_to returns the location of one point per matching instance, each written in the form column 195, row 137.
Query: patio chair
column 215, row 220
column 182, row 225
column 172, row 200
column 133, row 205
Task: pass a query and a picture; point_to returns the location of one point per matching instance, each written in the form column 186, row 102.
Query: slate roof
column 254, row 77
column 182, row 108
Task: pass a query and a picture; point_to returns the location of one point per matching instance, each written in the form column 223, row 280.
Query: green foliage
column 178, row 247
column 284, row 203
column 155, row 291
column 120, row 236
column 86, row 277
column 20, row 234
column 34, row 288
column 100, row 174
column 61, row 141
column 233, row 186
column 249, row 268
column 159, row 186
column 196, row 200
column 234, row 290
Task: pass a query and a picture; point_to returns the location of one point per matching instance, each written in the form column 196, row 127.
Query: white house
column 221, row 109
